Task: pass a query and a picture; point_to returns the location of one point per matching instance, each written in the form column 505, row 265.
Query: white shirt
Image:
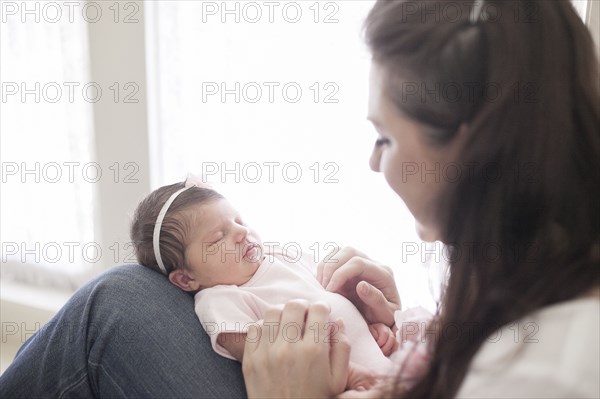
column 552, row 353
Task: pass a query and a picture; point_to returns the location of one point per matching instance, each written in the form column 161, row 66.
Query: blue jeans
column 128, row 333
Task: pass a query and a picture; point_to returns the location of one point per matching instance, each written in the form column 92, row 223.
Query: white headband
column 191, row 181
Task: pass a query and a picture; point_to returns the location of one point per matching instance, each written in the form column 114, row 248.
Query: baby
column 193, row 235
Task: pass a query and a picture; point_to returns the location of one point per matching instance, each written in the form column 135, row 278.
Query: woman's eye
column 381, row 141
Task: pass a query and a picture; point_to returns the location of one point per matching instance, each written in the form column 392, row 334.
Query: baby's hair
column 176, row 226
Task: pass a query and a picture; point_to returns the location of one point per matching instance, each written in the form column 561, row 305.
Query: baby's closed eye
column 220, row 237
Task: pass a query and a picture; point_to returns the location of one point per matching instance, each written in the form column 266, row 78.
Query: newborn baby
column 193, row 235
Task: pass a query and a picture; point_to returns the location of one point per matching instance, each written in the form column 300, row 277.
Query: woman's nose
column 375, row 160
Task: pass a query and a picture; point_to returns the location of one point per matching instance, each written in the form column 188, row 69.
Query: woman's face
column 414, row 169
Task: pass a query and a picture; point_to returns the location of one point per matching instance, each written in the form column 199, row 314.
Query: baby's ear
column 182, row 279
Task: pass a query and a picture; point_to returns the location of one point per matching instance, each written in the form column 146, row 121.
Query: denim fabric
column 128, row 333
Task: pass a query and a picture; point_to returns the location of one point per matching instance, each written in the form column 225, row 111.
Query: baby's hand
column 385, row 338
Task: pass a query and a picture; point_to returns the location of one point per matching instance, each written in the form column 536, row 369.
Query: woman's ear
column 183, row 279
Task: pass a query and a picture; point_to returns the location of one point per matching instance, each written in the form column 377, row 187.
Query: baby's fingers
column 374, row 332
column 389, row 346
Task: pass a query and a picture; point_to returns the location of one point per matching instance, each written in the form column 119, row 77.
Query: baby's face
column 223, row 249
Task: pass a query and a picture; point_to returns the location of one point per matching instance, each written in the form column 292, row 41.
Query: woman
column 508, row 92
column 520, row 216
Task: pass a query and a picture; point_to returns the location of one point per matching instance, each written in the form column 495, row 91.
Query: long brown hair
column 530, row 102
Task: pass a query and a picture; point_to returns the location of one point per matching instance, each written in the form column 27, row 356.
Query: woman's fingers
column 346, row 272
column 271, row 322
column 335, row 260
column 377, row 306
column 362, row 269
column 317, row 352
column 292, row 320
column 253, row 335
column 326, row 262
column 317, row 325
column 339, row 356
column 370, row 295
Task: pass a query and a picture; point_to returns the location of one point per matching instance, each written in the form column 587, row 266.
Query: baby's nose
column 243, row 232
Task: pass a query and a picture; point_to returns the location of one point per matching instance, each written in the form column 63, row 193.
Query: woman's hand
column 296, row 353
column 369, row 285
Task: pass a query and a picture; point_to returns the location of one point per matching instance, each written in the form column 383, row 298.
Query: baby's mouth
column 251, row 252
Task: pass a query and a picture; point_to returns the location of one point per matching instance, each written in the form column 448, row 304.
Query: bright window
column 46, row 124
column 270, row 104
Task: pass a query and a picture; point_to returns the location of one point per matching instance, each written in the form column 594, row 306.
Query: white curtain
column 46, row 124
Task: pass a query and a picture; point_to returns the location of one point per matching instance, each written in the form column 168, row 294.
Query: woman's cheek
column 392, row 170
column 403, row 181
